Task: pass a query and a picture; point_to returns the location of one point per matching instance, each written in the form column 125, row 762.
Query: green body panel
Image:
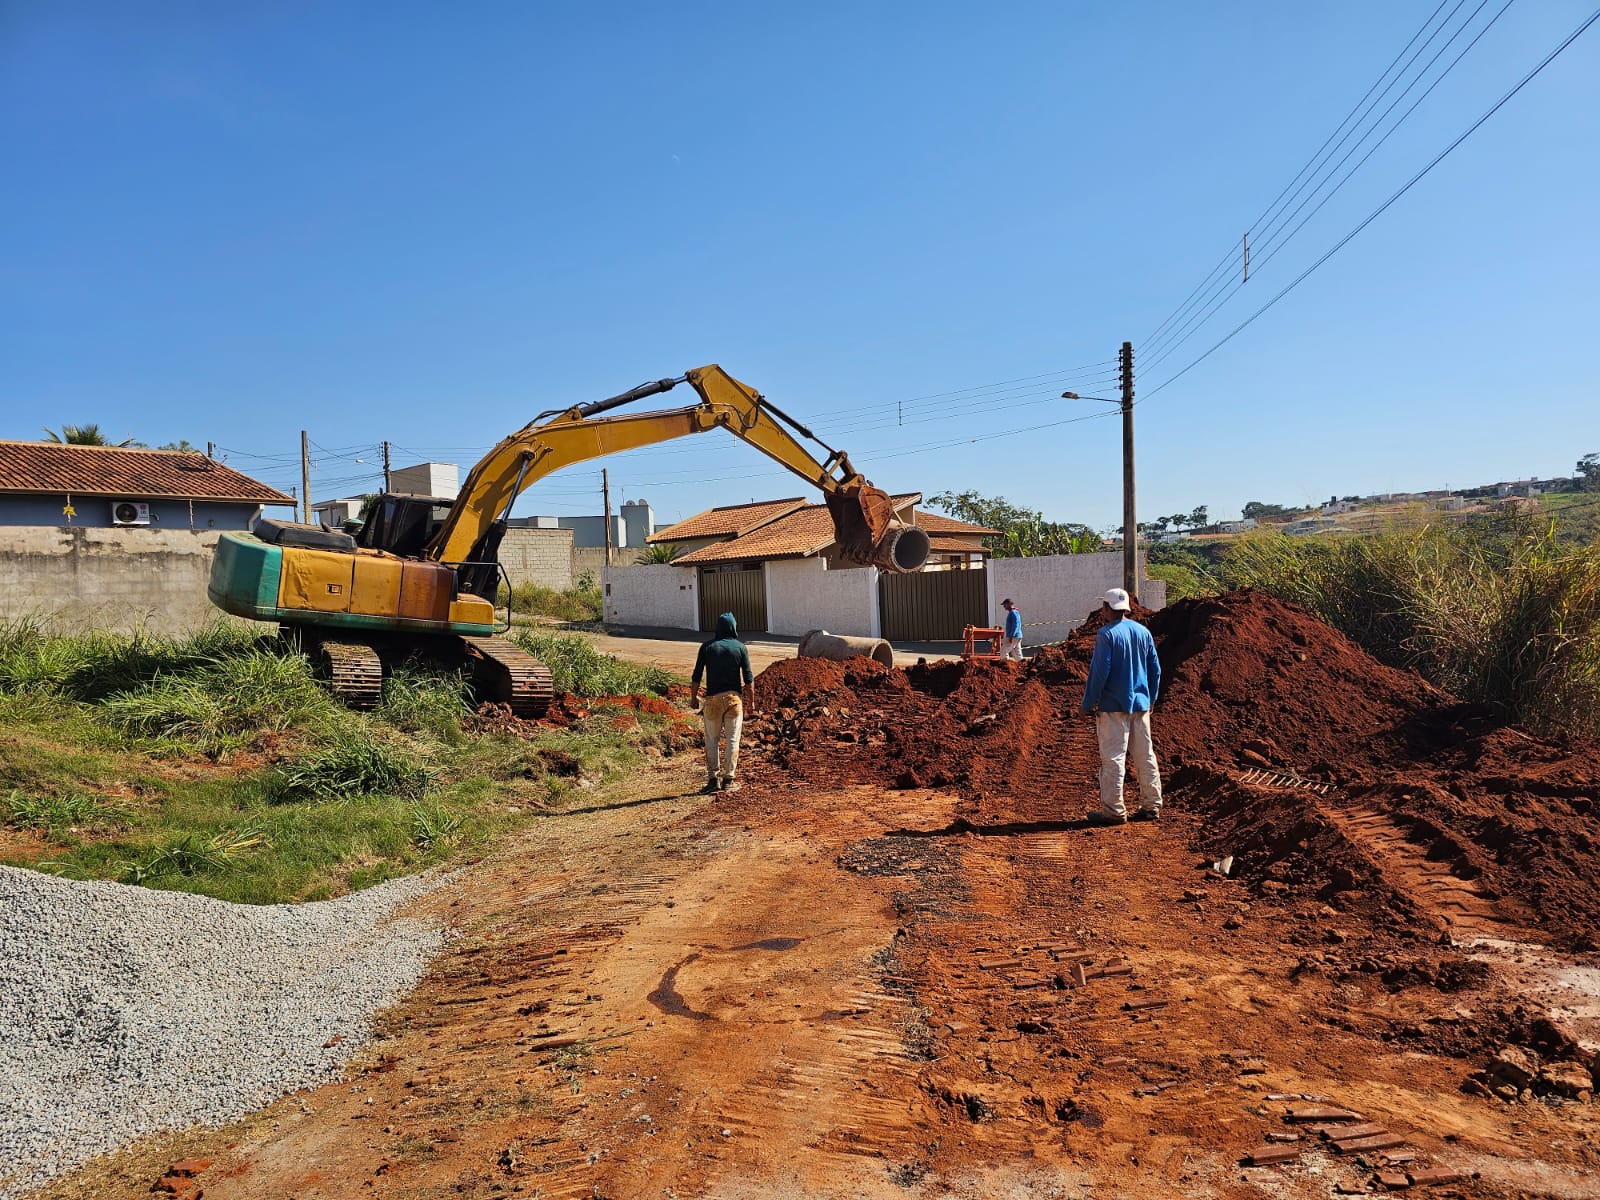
column 245, row 575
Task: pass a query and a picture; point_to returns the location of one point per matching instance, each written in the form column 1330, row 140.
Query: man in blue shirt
column 1124, row 679
column 1011, row 639
column 725, row 663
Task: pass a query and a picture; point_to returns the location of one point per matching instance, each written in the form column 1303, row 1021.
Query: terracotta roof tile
column 934, row 523
column 113, row 471
column 954, row 545
column 807, row 530
column 730, row 521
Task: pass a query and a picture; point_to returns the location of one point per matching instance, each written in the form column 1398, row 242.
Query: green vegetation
column 578, row 606
column 662, row 552
column 582, row 670
column 1495, row 609
column 1022, row 532
column 218, row 764
column 1188, row 568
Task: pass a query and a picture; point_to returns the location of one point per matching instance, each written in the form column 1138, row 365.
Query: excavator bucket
column 865, row 528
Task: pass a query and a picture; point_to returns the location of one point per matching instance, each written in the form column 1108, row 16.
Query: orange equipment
column 973, row 634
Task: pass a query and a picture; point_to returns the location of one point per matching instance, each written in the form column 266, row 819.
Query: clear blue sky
column 426, row 223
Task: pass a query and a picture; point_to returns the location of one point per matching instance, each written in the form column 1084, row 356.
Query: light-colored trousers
column 723, row 716
column 1011, row 648
column 1124, row 741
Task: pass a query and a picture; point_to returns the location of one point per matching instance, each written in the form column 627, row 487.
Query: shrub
column 350, row 765
column 1496, row 610
column 579, row 605
column 582, row 670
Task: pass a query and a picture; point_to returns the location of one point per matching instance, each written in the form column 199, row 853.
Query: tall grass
column 576, row 605
column 1497, row 610
column 582, row 670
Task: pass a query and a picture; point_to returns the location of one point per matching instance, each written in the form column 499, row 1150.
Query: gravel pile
column 124, row 1011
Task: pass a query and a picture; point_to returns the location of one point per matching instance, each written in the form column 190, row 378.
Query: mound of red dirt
column 1380, row 787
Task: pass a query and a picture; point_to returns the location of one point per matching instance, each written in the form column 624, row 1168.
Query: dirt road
column 855, row 992
column 898, row 963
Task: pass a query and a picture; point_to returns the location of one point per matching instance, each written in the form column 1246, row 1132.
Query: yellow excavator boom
column 862, row 514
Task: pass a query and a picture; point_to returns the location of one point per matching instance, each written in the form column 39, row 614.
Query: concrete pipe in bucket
column 819, row 643
column 902, row 550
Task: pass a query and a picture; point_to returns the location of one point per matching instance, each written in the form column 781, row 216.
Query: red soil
column 1248, row 682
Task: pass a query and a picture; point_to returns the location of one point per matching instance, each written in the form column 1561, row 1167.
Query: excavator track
column 508, row 674
column 354, row 672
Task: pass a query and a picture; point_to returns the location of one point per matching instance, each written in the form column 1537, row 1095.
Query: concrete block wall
column 802, row 595
column 659, row 595
column 538, row 556
column 117, row 579
column 1056, row 593
column 591, row 560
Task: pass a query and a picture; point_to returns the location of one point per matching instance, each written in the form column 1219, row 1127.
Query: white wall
column 802, row 595
column 1055, row 594
column 659, row 594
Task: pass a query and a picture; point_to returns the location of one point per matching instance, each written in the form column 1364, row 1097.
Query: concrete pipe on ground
column 819, row 643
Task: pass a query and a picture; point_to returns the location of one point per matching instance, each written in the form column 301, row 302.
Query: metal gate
column 741, row 590
column 932, row 606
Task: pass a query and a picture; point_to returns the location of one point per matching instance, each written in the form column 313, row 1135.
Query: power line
column 1284, row 241
column 1234, row 254
column 1382, row 208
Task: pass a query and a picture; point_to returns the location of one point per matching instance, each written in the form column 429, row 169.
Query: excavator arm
column 863, row 516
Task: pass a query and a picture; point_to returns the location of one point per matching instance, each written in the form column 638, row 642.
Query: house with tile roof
column 774, row 564
column 51, row 484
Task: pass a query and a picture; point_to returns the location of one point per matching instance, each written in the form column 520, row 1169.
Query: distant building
column 1306, row 526
column 1334, row 507
column 630, row 528
column 331, row 514
column 1236, row 526
column 426, row 479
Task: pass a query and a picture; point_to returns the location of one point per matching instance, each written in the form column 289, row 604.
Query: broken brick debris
column 1394, row 1181
column 998, row 964
column 1266, row 1156
column 1379, row 1141
column 1301, row 1116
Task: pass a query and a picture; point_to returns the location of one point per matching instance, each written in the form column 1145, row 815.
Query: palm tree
column 661, row 552
column 82, row 435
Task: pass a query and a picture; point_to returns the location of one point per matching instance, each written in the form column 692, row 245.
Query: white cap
column 1118, row 599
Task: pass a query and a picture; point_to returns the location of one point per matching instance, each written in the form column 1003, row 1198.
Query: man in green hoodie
column 725, row 663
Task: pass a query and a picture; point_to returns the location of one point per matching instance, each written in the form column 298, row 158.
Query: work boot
column 711, row 788
column 731, row 784
column 1146, row 814
column 1102, row 816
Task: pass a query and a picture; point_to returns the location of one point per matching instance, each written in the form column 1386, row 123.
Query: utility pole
column 211, row 450
column 386, row 466
column 305, row 477
column 605, row 492
column 1130, row 510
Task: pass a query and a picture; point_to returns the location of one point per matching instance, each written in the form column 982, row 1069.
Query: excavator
column 421, row 575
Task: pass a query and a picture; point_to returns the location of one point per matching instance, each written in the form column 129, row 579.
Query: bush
column 580, row 605
column 351, row 765
column 582, row 670
column 219, row 703
column 1496, row 610
column 427, row 702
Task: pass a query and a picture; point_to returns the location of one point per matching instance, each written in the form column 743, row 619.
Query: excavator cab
column 402, row 525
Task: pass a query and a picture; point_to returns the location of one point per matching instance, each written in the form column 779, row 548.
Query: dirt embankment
column 1315, row 766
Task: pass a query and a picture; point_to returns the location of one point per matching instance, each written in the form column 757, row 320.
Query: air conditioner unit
column 129, row 512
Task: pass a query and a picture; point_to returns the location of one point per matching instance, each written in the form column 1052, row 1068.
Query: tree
column 82, row 435
column 180, row 444
column 1588, row 473
column 1256, row 510
column 1021, row 532
column 1199, row 517
column 661, row 552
